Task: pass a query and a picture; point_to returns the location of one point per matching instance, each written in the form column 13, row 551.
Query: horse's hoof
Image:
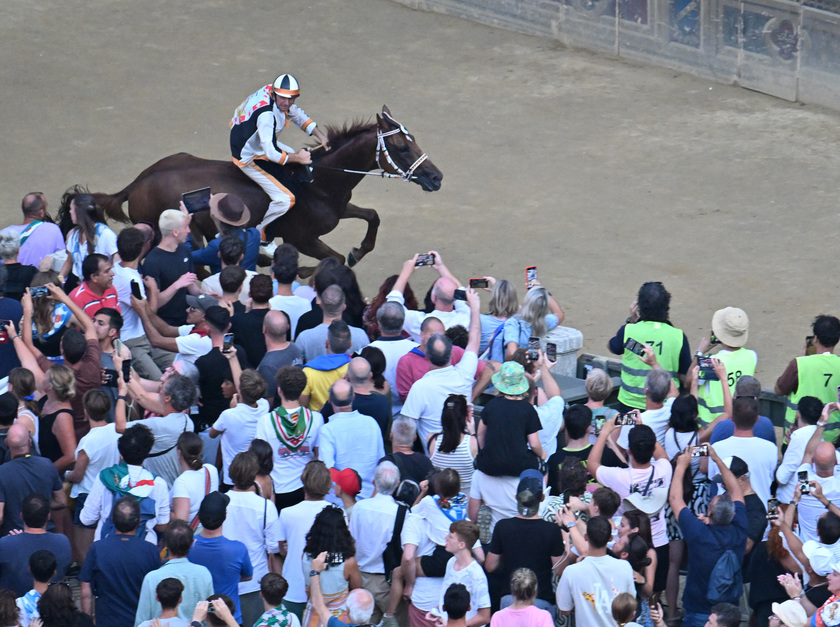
column 351, row 260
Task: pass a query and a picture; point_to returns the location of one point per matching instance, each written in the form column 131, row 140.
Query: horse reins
column 382, row 149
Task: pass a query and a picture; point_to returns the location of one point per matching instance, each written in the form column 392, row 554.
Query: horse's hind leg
column 314, row 248
column 372, row 218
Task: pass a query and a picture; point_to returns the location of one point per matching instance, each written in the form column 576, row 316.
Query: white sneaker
column 268, row 249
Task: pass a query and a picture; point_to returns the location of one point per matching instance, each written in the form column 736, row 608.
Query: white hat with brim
column 731, row 326
column 790, row 613
column 823, row 557
column 650, row 504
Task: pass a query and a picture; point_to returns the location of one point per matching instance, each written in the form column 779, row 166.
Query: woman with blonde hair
column 56, row 436
column 539, row 314
column 504, row 303
column 23, row 386
column 599, row 386
column 523, row 588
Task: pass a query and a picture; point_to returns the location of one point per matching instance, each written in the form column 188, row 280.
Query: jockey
column 255, row 126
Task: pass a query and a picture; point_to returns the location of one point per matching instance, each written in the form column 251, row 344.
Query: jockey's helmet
column 286, row 86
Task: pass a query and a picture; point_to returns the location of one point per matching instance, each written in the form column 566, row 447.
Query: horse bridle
column 382, row 149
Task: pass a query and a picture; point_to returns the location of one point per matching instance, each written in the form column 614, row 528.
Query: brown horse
column 319, row 205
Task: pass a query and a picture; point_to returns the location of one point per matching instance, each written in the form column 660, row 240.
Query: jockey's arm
column 325, row 144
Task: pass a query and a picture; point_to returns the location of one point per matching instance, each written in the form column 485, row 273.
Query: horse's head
column 398, row 153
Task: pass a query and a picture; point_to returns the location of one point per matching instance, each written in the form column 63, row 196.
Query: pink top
column 530, row 616
column 411, row 367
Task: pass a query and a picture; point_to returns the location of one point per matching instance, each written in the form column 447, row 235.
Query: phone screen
column 135, row 290
column 197, row 200
column 479, row 283
column 126, row 370
column 227, row 343
column 551, row 351
column 530, row 275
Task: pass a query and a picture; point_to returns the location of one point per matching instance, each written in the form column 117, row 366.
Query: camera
column 425, row 259
column 479, row 283
column 707, row 370
column 700, row 451
column 635, row 347
column 39, row 292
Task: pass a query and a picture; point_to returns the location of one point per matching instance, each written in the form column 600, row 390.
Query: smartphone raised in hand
column 533, row 353
column 425, row 259
column 228, row 343
column 135, row 290
column 551, row 351
column 479, row 283
column 196, row 200
column 530, row 276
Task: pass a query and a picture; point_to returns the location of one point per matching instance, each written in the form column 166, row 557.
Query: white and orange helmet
column 286, row 86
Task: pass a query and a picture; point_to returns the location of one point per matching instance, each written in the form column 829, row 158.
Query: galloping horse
column 320, row 204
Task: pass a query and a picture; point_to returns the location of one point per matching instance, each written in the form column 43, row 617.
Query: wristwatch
column 571, row 524
column 314, row 573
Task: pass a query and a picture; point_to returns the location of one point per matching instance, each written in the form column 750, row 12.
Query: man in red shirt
column 97, row 290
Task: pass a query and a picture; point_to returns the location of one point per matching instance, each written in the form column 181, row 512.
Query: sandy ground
column 602, row 173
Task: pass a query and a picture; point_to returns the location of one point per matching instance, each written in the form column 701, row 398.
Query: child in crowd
column 463, row 569
column 273, row 588
column 42, row 565
column 169, row 594
column 624, row 610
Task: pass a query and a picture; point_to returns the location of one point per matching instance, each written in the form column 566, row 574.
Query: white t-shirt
column 427, row 590
column 100, row 445
column 414, row 319
column 372, row 526
column 656, row 419
column 191, row 484
column 289, row 464
column 167, row 430
column 295, row 306
column 474, row 579
column 239, row 428
column 425, row 400
column 626, row 481
column 191, row 345
column 590, row 586
column 551, row 419
column 760, row 455
column 293, row 525
column 214, row 285
column 394, row 348
column 677, row 441
column 810, row 509
column 791, row 461
column 498, row 493
column 252, row 520
column 132, row 327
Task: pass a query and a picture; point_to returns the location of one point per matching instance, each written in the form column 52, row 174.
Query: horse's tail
column 112, row 204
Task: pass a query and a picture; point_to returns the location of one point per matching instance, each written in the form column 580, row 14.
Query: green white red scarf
column 291, row 429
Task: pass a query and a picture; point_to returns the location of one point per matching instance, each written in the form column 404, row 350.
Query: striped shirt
column 90, row 302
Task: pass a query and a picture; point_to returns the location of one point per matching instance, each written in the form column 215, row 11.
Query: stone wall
column 784, row 48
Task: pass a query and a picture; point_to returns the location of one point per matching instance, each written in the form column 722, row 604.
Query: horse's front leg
column 372, row 218
column 314, row 248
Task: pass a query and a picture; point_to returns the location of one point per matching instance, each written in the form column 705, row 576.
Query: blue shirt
column 209, row 255
column 198, row 585
column 228, row 562
column 15, row 552
column 763, row 429
column 115, row 567
column 705, row 546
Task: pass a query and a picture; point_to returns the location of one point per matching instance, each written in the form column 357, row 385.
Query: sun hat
column 511, row 379
column 230, row 209
column 790, row 613
column 731, row 326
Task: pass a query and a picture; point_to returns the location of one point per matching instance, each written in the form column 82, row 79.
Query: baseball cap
column 213, row 509
column 218, row 317
column 738, row 467
column 8, row 408
column 529, row 492
column 203, row 301
column 348, row 480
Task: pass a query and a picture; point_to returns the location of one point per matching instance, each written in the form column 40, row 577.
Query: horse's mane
column 341, row 135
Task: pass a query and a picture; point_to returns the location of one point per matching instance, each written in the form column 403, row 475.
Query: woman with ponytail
column 196, row 480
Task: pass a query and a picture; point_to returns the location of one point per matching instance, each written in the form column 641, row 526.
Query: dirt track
column 602, row 173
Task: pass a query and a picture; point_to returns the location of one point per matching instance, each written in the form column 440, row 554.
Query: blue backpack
column 725, row 581
column 147, row 513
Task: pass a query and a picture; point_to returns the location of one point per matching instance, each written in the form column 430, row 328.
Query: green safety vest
column 666, row 342
column 819, row 375
column 739, row 362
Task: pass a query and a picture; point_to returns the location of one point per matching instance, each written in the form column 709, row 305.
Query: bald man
column 821, row 471
column 350, row 439
column 25, row 475
column 448, row 310
column 279, row 351
column 365, row 401
column 38, row 235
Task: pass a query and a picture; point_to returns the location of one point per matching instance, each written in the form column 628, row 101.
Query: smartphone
column 425, row 259
column 460, row 295
column 39, row 292
column 228, row 343
column 810, row 349
column 772, row 509
column 135, row 290
column 551, row 351
column 533, row 353
column 700, row 451
column 627, row 420
column 126, row 370
column 197, row 200
column 597, row 423
column 4, row 337
column 707, row 370
column 635, row 347
column 479, row 283
column 530, row 276
column 804, row 486
column 109, row 377
column 713, row 339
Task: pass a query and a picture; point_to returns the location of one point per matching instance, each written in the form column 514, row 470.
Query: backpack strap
column 194, row 522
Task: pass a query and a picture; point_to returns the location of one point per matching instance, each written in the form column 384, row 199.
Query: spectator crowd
column 199, row 443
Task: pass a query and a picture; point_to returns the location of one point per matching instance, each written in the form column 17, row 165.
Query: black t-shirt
column 527, row 543
column 415, row 466
column 505, row 451
column 756, row 524
column 377, row 406
column 166, row 268
column 213, row 369
column 609, row 458
column 247, row 329
column 19, row 278
column 762, row 573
